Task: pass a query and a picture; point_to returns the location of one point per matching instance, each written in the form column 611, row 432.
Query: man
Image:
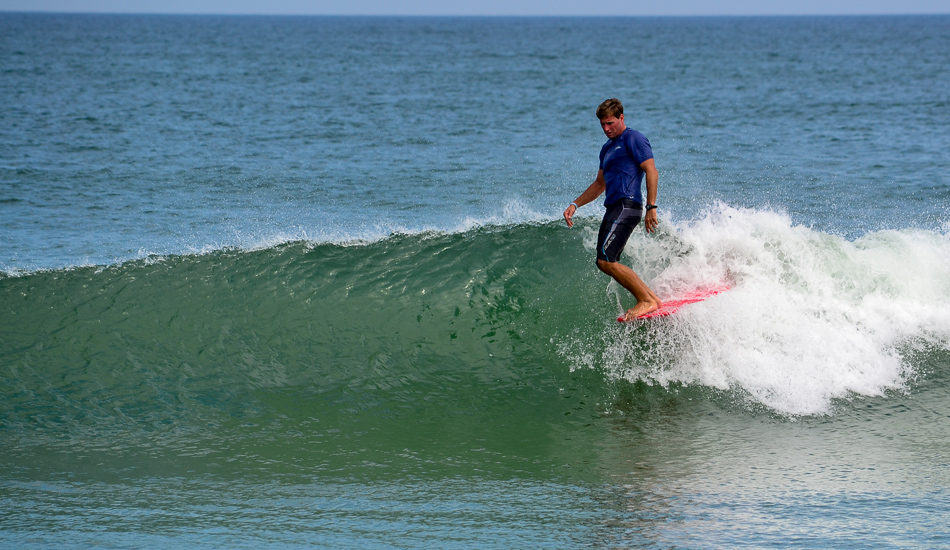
column 624, row 160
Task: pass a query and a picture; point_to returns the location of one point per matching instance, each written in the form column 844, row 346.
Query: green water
column 435, row 387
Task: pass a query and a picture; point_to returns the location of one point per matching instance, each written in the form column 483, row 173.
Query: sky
column 488, row 7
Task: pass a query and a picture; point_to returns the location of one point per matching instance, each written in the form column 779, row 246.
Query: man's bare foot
column 642, row 308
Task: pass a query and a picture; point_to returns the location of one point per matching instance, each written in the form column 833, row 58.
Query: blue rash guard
column 620, row 159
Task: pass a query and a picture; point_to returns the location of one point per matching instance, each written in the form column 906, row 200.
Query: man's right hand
column 568, row 214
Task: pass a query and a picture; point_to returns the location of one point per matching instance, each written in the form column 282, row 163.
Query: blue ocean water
column 303, row 281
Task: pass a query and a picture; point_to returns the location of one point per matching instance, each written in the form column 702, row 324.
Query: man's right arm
column 589, row 195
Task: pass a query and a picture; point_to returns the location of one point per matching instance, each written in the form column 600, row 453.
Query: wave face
column 245, row 351
column 435, row 325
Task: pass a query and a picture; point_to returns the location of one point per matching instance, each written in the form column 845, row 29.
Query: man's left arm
column 653, row 177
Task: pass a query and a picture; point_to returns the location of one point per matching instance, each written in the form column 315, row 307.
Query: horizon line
column 472, row 15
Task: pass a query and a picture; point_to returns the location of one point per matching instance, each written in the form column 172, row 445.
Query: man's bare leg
column 647, row 301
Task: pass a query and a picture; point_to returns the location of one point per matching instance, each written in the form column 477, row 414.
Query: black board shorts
column 619, row 220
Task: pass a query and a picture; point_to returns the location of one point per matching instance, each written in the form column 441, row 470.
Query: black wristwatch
column 651, row 207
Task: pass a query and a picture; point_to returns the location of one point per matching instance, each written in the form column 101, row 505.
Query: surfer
column 624, row 160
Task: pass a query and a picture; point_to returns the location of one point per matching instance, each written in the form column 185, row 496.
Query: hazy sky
column 488, row 7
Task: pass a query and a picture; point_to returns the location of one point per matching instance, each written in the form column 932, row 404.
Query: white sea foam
column 810, row 318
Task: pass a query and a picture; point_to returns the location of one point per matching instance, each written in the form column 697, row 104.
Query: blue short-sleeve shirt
column 620, row 159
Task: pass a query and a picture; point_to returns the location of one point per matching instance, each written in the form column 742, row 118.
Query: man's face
column 612, row 126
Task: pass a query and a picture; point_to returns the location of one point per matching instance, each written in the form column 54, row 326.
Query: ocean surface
column 287, row 282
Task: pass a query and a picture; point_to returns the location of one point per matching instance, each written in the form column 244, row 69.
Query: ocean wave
column 810, row 319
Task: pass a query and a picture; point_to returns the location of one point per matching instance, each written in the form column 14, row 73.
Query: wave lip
column 103, row 249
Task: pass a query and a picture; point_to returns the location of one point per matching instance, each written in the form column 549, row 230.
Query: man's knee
column 605, row 266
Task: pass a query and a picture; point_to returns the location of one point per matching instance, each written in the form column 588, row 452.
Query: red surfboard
column 672, row 306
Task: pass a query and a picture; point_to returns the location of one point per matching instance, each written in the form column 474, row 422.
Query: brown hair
column 610, row 108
